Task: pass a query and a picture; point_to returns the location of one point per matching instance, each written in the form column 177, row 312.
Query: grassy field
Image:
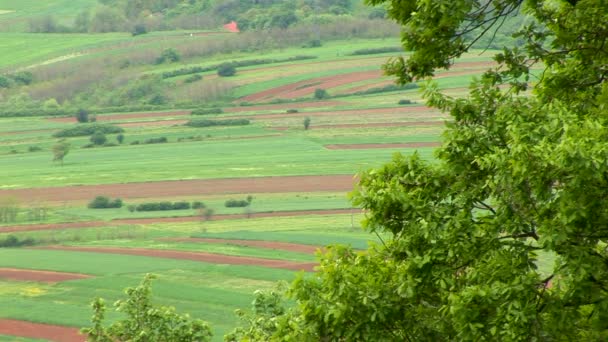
column 274, row 144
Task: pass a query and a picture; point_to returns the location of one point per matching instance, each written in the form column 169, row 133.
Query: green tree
column 98, row 138
column 144, row 321
column 82, row 115
column 321, row 94
column 120, row 138
column 520, row 181
column 226, row 70
column 307, row 123
column 60, row 150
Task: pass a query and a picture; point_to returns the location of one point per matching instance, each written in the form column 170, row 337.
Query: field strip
column 387, row 145
column 194, row 256
column 279, row 106
column 126, row 116
column 195, row 187
column 371, row 124
column 39, row 276
column 52, row 226
column 286, row 246
column 154, row 220
column 49, row 332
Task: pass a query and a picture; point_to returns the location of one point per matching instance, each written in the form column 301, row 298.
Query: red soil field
column 187, row 188
column 195, row 256
column 38, row 330
column 51, row 226
column 286, row 246
column 373, row 124
column 390, row 145
column 152, row 123
column 39, row 276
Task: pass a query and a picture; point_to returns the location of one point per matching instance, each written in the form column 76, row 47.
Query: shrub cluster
column 33, row 111
column 205, row 111
column 88, row 129
column 163, row 206
column 210, row 123
column 16, row 79
column 103, row 202
column 374, row 51
column 193, row 78
column 226, row 70
column 405, row 102
column 233, row 203
column 160, row 140
column 13, row 241
column 236, row 64
column 291, row 111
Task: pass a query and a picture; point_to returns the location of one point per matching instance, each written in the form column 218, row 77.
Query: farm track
column 187, row 188
column 387, row 145
column 194, row 256
column 220, row 217
column 49, row 332
column 39, row 276
column 285, row 246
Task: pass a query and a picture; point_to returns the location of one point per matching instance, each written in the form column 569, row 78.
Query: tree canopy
column 504, row 235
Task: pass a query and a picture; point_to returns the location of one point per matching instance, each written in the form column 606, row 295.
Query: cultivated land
column 207, row 265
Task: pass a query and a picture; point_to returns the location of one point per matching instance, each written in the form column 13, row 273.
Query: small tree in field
column 98, row 138
column 226, row 70
column 306, row 123
column 321, row 94
column 82, row 115
column 120, row 138
column 60, row 150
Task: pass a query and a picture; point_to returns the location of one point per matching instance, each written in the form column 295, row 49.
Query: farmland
column 208, row 260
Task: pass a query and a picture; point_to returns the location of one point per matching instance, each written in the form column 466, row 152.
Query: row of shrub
column 235, row 64
column 234, row 203
column 16, row 79
column 165, row 206
column 13, row 241
column 211, row 123
column 38, row 111
column 88, row 129
column 374, row 51
column 205, row 111
column 103, row 202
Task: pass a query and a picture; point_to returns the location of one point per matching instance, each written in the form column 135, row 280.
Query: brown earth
column 298, row 89
column 187, row 188
column 389, row 145
column 51, row 226
column 286, row 246
column 39, row 276
column 372, row 124
column 284, row 106
column 195, row 256
column 221, row 217
column 40, row 331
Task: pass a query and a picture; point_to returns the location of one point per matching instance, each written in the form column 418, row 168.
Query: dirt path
column 372, row 124
column 51, row 226
column 38, row 330
column 389, row 145
column 39, row 276
column 187, row 188
column 286, row 246
column 195, row 256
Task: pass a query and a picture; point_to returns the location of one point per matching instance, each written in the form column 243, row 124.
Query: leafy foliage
column 226, row 70
column 144, row 321
column 210, row 123
column 519, row 178
column 60, row 150
column 103, row 202
column 88, row 129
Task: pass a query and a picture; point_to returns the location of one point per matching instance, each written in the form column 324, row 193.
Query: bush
column 193, row 78
column 13, row 241
column 291, row 111
column 198, row 205
column 169, row 55
column 306, row 123
column 226, row 70
column 103, row 202
column 210, row 123
column 313, row 43
column 88, row 129
column 160, row 140
column 139, row 29
column 120, row 138
column 82, row 115
column 163, row 206
column 321, row 94
column 405, row 102
column 233, row 203
column 98, row 138
column 205, row 111
column 34, row 148
column 374, row 51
